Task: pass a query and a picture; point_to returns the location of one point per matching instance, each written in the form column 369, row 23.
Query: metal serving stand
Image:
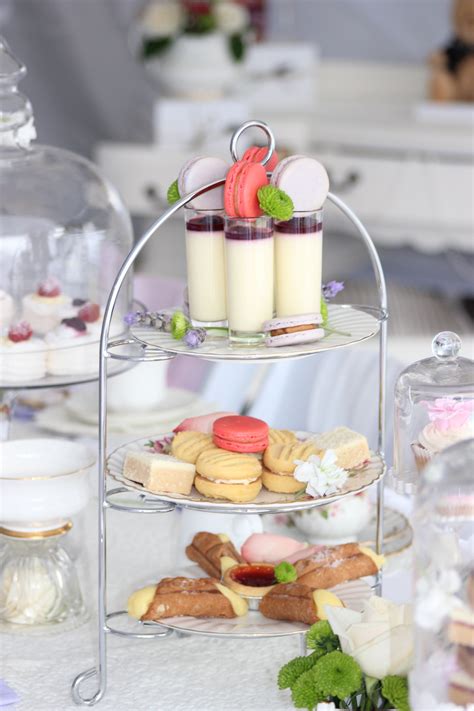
column 131, row 349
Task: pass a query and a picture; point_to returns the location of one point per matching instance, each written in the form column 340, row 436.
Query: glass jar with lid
column 64, row 233
column 443, row 523
column 434, row 409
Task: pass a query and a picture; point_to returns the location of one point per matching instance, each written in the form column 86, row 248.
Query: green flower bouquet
column 331, row 678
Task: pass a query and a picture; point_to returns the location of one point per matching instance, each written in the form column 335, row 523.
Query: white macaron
column 304, row 179
column 200, row 171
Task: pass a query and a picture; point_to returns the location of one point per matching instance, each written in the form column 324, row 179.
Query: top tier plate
column 352, row 323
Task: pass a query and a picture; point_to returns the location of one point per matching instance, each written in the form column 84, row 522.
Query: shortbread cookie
column 189, row 445
column 159, row 473
column 351, row 448
column 281, row 437
column 280, row 458
column 238, row 493
column 223, row 465
column 281, row 483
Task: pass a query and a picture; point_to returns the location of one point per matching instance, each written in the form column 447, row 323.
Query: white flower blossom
column 325, row 706
column 436, row 599
column 323, row 476
column 162, row 19
column 231, row 18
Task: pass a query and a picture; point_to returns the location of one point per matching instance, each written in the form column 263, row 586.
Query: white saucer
column 354, row 594
column 175, row 405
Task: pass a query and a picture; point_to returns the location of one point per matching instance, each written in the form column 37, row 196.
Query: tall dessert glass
column 249, row 270
column 298, row 262
column 206, row 267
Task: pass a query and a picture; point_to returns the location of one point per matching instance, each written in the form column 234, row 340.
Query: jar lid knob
column 446, row 346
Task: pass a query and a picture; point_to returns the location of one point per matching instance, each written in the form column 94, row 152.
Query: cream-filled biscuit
column 281, row 483
column 281, row 437
column 281, row 458
column 222, row 465
column 238, row 493
column 189, row 445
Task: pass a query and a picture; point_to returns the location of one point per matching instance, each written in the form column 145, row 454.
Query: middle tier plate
column 349, row 325
column 265, row 502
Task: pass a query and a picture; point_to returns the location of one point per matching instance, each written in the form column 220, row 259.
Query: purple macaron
column 293, row 330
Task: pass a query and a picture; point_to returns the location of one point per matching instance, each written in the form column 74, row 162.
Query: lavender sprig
column 194, row 337
column 332, row 288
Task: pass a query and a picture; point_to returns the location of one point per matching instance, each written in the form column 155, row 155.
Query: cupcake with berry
column 73, row 346
column 22, row 356
column 45, row 309
column 451, row 421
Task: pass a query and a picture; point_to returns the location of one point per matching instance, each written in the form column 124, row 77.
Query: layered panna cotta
column 45, row 309
column 206, row 266
column 298, row 264
column 22, row 357
column 249, row 273
column 7, row 309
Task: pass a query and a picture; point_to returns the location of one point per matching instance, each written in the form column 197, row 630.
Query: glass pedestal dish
column 43, row 484
column 434, row 409
column 64, row 233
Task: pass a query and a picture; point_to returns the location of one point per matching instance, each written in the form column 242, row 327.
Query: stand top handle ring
column 253, row 124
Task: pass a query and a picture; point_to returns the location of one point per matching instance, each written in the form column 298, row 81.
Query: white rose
column 231, row 18
column 162, row 19
column 380, row 638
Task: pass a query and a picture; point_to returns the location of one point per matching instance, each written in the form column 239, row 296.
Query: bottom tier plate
column 354, row 594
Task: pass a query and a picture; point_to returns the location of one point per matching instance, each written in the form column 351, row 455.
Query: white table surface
column 172, row 674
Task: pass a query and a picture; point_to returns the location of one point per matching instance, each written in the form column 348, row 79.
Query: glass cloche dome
column 64, row 233
column 443, row 521
column 434, row 409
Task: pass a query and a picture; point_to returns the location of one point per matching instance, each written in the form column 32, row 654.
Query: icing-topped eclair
column 338, row 564
column 208, row 550
column 297, row 602
column 179, row 597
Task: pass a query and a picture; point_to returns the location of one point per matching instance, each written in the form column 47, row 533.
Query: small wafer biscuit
column 281, row 483
column 280, row 458
column 232, row 492
column 223, row 465
column 281, row 437
column 187, row 446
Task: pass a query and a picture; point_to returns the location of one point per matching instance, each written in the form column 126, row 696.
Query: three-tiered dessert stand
column 358, row 323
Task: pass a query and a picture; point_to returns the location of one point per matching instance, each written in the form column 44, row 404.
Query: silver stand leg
column 303, row 647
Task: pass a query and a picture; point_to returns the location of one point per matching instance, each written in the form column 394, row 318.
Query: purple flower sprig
column 331, row 289
column 160, row 446
column 155, row 319
column 194, row 337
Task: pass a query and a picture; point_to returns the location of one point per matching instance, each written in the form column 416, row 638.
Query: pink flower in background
column 448, row 413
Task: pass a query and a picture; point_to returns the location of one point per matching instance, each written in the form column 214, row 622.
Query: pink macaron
column 304, row 179
column 254, row 154
column 240, row 433
column 200, row 171
column 241, row 187
column 293, row 330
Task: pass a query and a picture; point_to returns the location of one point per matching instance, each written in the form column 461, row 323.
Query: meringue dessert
column 45, row 309
column 22, row 357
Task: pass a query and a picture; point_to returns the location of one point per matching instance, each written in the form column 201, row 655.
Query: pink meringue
column 201, row 423
column 270, row 548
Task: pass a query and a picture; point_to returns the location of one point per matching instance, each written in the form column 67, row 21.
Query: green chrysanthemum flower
column 305, row 693
column 395, row 690
column 275, row 202
column 324, row 310
column 173, row 193
column 337, row 674
column 179, row 325
column 291, row 671
column 285, row 572
column 321, row 638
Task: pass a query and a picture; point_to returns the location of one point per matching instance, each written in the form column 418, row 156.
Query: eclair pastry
column 179, row 597
column 338, row 564
column 297, row 602
column 207, row 550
